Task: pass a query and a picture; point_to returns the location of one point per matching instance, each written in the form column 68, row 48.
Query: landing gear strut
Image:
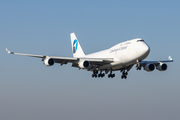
column 138, row 66
column 95, row 72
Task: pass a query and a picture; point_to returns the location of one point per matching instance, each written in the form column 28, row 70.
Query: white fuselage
column 124, row 54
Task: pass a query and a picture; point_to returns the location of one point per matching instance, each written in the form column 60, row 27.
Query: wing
column 75, row 61
column 156, row 62
column 61, row 60
column 150, row 65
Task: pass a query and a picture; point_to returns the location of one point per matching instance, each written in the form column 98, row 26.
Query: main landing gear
column 95, row 74
column 124, row 74
column 111, row 75
column 101, row 75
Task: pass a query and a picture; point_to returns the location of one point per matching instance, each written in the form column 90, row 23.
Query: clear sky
column 30, row 90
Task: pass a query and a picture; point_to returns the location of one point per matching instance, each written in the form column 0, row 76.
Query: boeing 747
column 120, row 57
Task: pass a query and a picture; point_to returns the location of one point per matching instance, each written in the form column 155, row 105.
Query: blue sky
column 30, row 90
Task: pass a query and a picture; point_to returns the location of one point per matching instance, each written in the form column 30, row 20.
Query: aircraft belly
column 115, row 65
column 127, row 58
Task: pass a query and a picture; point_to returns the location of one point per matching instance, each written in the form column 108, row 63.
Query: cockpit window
column 140, row 40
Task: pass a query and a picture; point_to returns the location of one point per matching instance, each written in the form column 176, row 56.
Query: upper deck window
column 140, row 40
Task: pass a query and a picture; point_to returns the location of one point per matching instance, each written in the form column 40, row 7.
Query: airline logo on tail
column 75, row 45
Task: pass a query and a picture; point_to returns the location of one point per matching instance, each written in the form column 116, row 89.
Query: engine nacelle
column 149, row 67
column 49, row 61
column 84, row 64
column 161, row 67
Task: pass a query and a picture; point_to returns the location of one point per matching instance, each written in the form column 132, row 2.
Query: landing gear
column 111, row 75
column 101, row 75
column 138, row 66
column 95, row 74
column 124, row 75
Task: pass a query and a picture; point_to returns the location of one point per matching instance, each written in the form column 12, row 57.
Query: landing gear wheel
column 103, row 75
column 123, row 76
column 99, row 75
column 95, row 76
column 109, row 75
column 113, row 75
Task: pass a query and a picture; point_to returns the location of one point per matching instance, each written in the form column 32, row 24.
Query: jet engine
column 49, row 61
column 84, row 64
column 149, row 67
column 161, row 67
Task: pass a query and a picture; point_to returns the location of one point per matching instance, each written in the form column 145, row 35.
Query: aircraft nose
column 143, row 50
column 146, row 49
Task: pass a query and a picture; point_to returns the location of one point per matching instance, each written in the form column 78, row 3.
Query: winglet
column 170, row 58
column 9, row 51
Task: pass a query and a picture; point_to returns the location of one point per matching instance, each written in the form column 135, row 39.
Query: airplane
column 121, row 57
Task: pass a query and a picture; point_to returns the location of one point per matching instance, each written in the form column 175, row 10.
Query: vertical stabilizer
column 76, row 47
